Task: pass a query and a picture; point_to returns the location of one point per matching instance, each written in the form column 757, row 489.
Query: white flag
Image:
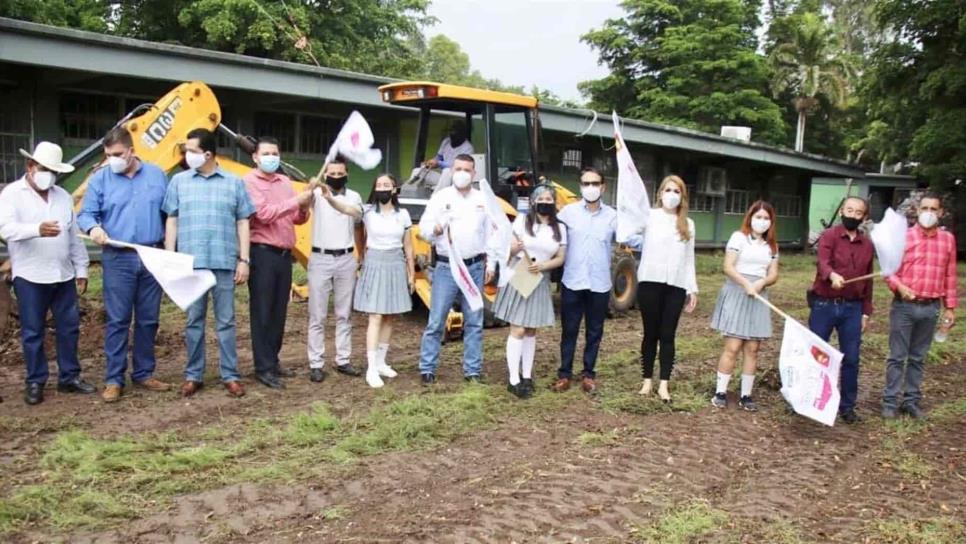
column 461, row 275
column 809, row 368
column 174, row 272
column 889, row 239
column 501, row 230
column 633, row 206
column 354, row 142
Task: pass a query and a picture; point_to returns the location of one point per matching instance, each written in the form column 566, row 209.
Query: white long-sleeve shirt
column 35, row 258
column 665, row 257
column 468, row 223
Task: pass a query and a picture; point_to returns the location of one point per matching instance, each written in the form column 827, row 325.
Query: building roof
column 42, row 45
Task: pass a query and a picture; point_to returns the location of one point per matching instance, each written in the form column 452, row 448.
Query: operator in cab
column 452, row 145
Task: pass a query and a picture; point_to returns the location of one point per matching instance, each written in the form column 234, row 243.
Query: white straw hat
column 50, row 156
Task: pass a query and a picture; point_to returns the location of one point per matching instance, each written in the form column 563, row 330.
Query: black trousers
column 269, row 283
column 576, row 306
column 661, row 306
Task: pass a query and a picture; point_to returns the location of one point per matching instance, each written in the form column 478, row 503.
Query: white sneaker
column 386, row 371
column 373, row 379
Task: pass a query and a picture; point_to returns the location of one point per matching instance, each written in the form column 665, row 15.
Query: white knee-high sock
column 383, row 350
column 723, row 380
column 747, row 383
column 514, row 347
column 529, row 352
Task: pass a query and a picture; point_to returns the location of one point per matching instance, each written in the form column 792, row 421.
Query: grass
column 682, row 524
column 593, row 439
column 942, row 530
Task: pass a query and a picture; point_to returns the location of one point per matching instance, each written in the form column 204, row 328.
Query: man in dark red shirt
column 844, row 253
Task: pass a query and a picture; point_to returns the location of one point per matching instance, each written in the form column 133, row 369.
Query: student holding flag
column 751, row 265
column 123, row 203
column 540, row 239
column 457, row 219
column 667, row 279
column 925, row 290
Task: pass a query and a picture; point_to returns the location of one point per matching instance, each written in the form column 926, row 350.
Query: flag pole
column 114, row 243
column 860, row 278
column 774, row 308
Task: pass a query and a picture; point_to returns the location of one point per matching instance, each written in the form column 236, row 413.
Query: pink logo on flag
column 355, row 139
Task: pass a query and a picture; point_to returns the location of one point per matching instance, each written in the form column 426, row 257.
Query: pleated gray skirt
column 531, row 312
column 383, row 287
column 740, row 316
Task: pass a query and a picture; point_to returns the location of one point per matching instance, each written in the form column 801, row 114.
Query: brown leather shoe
column 588, row 384
column 561, row 385
column 152, row 384
column 235, row 389
column 112, row 393
column 190, row 388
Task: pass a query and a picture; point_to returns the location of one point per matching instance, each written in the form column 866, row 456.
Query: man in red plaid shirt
column 925, row 286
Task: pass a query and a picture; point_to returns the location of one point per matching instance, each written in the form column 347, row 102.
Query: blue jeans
column 129, row 288
column 911, row 328
column 444, row 295
column 576, row 306
column 223, row 294
column 33, row 300
column 846, row 318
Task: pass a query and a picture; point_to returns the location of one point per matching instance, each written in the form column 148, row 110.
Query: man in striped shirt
column 925, row 288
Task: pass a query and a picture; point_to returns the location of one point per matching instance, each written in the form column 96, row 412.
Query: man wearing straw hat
column 844, row 252
column 49, row 268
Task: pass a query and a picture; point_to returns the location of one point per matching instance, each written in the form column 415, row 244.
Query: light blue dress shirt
column 128, row 209
column 590, row 238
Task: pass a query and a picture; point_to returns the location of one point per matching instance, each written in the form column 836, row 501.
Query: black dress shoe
column 428, row 378
column 282, row 372
column 317, row 375
column 913, row 411
column 34, row 393
column 517, row 390
column 269, row 380
column 850, row 417
column 76, row 386
column 528, row 386
column 348, row 370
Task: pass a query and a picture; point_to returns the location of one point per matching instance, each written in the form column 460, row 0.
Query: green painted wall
column 703, row 226
column 823, row 205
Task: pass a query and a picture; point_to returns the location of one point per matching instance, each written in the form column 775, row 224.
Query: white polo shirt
column 332, row 229
column 467, row 219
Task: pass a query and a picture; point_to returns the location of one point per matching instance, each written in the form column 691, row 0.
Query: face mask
column 545, row 208
column 382, row 197
column 117, row 164
column 850, row 223
column 44, row 180
column 336, row 183
column 269, row 163
column 928, row 220
column 670, row 200
column 591, row 193
column 760, row 226
column 462, row 179
column 194, row 160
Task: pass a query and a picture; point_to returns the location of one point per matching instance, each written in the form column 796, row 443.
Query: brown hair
column 769, row 236
column 682, row 222
column 118, row 135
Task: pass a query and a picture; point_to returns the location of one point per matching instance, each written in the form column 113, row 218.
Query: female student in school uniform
column 385, row 285
column 667, row 280
column 751, row 265
column 539, row 237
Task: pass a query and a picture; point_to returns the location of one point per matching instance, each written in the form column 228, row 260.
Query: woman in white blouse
column 667, row 281
column 751, row 265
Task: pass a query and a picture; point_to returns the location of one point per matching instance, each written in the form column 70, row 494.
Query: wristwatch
column 246, row 261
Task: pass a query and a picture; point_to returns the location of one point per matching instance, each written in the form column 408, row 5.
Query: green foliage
column 80, row 14
column 447, row 63
column 683, row 524
column 924, row 531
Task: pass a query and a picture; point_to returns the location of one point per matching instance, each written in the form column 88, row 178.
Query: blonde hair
column 682, row 222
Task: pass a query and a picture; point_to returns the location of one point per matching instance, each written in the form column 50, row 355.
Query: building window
column 737, row 201
column 787, row 205
column 315, row 137
column 280, row 126
column 87, row 117
column 698, row 202
column 572, row 158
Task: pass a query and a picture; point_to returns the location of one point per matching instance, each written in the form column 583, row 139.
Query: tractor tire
column 623, row 295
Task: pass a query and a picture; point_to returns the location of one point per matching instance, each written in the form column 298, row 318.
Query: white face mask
column 590, row 193
column 194, row 160
column 462, row 179
column 760, row 226
column 670, row 200
column 44, row 180
column 117, row 164
column 928, row 220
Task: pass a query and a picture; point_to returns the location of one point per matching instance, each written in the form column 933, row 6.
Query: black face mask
column 851, row 223
column 456, row 138
column 337, row 183
column 382, row 197
column 545, row 208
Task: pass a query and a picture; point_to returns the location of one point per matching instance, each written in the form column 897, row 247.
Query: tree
column 446, row 62
column 80, row 14
column 689, row 63
column 809, row 66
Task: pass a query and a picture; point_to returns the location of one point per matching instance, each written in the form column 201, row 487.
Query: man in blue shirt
column 123, row 203
column 208, row 211
column 586, row 283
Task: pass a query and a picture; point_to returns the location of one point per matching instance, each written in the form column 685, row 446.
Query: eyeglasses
column 591, row 183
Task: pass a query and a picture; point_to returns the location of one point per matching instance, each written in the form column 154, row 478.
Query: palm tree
column 809, row 65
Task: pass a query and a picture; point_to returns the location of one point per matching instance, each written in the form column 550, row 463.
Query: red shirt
column 928, row 265
column 839, row 253
column 276, row 209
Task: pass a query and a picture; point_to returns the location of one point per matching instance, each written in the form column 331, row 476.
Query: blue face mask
column 269, row 163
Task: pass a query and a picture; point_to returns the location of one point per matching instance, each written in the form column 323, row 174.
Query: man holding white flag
column 458, row 221
column 123, row 201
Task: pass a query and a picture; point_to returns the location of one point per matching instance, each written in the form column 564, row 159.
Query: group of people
column 243, row 231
